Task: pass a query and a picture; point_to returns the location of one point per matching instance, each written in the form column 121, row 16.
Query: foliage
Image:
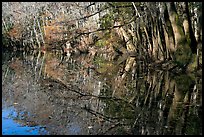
column 99, row 60
column 106, row 21
column 100, row 43
column 142, row 26
column 119, row 110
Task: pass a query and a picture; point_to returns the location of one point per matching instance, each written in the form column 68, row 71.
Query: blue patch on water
column 74, row 129
column 10, row 127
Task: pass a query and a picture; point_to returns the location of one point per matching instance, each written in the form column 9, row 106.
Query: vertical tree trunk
column 168, row 32
column 183, row 53
column 188, row 29
column 128, row 40
column 155, row 42
column 176, row 24
column 161, row 40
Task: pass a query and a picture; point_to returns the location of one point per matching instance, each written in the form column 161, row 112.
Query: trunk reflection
column 92, row 95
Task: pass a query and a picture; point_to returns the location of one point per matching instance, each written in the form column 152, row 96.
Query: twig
column 113, row 126
column 117, row 6
column 102, row 29
column 5, row 74
column 4, row 24
column 137, row 13
column 87, row 16
column 137, row 118
column 110, row 119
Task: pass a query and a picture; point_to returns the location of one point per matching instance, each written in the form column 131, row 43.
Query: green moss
column 183, row 83
column 194, row 124
column 179, row 23
column 170, row 30
column 98, row 60
column 118, row 109
column 5, row 40
column 107, row 67
column 116, row 14
column 100, row 43
column 107, row 21
column 9, row 25
column 182, row 55
column 193, row 64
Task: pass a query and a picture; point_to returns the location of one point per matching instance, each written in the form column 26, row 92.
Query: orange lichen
column 15, row 32
column 57, row 28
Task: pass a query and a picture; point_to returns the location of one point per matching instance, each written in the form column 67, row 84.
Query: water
column 12, row 127
column 73, row 95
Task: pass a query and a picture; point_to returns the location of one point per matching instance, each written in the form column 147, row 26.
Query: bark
column 155, row 42
column 162, row 40
column 129, row 44
column 129, row 64
column 176, row 24
column 197, row 23
column 168, row 32
column 183, row 54
column 188, row 29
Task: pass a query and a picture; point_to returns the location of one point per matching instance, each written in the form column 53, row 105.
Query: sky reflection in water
column 158, row 103
column 10, row 127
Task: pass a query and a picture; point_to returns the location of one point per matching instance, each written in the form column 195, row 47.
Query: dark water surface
column 54, row 94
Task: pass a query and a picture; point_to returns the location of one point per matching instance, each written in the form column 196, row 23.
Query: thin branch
column 112, row 127
column 117, row 6
column 110, row 119
column 109, row 28
column 85, row 17
column 90, row 5
column 137, row 13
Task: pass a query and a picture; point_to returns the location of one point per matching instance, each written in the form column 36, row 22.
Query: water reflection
column 11, row 125
column 93, row 95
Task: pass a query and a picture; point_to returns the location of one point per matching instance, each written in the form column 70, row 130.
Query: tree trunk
column 183, row 54
column 128, row 40
column 188, row 29
column 168, row 33
column 176, row 24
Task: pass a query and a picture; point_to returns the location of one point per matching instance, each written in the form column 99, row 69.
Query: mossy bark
column 168, row 33
column 193, row 64
column 183, row 53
